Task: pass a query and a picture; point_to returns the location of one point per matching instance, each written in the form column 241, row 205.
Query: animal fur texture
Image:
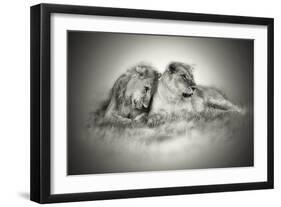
column 178, row 95
column 130, row 97
column 194, row 127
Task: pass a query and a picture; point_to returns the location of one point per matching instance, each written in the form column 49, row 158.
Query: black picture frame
column 41, row 97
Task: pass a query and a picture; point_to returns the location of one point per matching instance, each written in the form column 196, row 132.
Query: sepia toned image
column 142, row 102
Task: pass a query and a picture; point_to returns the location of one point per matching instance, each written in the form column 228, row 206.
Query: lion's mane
column 117, row 93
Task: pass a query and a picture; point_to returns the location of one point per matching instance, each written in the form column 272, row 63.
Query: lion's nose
column 193, row 88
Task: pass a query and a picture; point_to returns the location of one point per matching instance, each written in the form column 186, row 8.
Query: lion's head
column 141, row 82
column 179, row 79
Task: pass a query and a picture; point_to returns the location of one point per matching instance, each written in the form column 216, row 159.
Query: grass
column 195, row 140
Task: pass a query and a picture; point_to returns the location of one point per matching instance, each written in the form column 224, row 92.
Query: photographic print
column 146, row 102
column 132, row 103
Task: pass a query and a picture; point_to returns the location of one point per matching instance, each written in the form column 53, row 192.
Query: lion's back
column 207, row 92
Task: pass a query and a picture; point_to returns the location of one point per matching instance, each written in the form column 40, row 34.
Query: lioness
column 131, row 94
column 177, row 93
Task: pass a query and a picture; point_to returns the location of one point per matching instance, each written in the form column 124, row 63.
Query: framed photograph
column 133, row 103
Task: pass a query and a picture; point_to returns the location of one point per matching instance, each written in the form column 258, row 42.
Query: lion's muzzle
column 189, row 92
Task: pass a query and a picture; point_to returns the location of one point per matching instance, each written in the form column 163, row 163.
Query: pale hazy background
column 96, row 59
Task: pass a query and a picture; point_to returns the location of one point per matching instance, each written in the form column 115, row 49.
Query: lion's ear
column 159, row 75
column 140, row 69
column 172, row 68
column 192, row 67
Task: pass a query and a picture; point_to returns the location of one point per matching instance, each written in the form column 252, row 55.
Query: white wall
column 14, row 109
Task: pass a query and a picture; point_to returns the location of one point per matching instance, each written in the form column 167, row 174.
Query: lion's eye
column 146, row 88
column 184, row 77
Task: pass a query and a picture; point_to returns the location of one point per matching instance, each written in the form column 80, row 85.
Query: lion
column 177, row 94
column 131, row 95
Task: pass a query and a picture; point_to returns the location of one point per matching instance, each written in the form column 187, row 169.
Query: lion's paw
column 155, row 120
column 141, row 118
